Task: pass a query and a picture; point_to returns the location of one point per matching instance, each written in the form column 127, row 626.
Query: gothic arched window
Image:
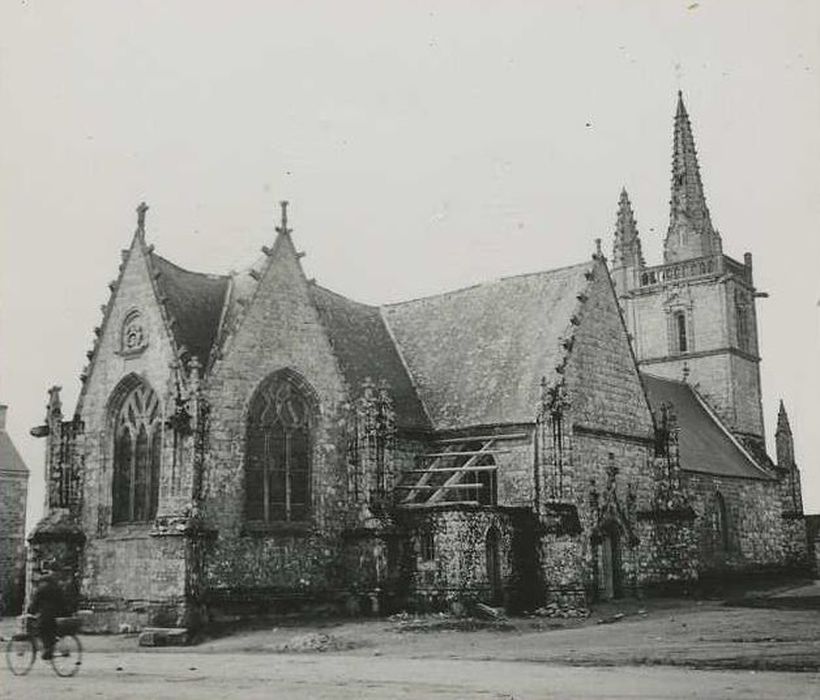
column 137, row 455
column 278, row 452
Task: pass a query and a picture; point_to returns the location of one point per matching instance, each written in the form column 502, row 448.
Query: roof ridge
column 346, row 298
column 487, row 283
column 665, row 379
column 212, row 275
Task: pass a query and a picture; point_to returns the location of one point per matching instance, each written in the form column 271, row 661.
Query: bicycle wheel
column 68, row 655
column 20, row 652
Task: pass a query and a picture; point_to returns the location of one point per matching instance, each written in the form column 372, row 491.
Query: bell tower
column 693, row 317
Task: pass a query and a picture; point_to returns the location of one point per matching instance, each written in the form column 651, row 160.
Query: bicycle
column 22, row 648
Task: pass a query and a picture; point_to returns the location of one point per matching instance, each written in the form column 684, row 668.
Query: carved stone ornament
column 134, row 335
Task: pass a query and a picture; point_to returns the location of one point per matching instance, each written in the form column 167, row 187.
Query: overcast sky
column 423, row 146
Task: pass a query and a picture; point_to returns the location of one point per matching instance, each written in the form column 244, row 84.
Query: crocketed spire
column 690, row 233
column 626, row 249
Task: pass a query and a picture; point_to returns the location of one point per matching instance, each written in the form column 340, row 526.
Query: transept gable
column 135, row 331
column 270, row 321
column 601, row 369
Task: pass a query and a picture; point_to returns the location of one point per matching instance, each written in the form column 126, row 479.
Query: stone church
column 253, row 441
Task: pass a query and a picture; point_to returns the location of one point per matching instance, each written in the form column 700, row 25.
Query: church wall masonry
column 753, row 513
column 126, row 566
column 615, row 474
column 280, row 330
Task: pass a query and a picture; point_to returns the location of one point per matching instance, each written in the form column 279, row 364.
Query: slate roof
column 363, row 348
column 477, row 355
column 471, row 357
column 241, row 287
column 705, row 444
column 10, row 459
column 194, row 301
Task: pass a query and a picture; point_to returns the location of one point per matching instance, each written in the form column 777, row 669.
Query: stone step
column 164, row 637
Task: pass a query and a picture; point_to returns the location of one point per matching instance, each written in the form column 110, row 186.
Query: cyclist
column 48, row 602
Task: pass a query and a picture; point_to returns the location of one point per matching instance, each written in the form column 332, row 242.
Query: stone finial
column 283, row 226
column 686, row 372
column 598, row 252
column 142, row 209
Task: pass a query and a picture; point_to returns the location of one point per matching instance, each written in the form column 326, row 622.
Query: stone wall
column 755, row 524
column 142, row 576
column 13, row 494
column 515, row 472
column 458, row 569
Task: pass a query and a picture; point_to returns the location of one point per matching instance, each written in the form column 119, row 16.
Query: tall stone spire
column 626, row 249
column 690, row 233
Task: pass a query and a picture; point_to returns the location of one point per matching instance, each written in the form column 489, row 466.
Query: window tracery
column 278, row 453
column 137, row 456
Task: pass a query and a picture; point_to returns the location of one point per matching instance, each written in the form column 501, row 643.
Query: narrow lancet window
column 680, row 329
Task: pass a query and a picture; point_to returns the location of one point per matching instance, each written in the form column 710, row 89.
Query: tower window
column 680, row 331
column 742, row 327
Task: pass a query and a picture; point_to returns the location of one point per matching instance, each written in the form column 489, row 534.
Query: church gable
column 133, row 339
column 601, row 374
column 275, row 325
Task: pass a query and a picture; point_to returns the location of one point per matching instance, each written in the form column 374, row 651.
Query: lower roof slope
column 705, row 445
column 364, row 349
column 10, row 459
column 477, row 355
column 194, row 301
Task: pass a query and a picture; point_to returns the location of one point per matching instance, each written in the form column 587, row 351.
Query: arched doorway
column 608, row 562
column 494, row 565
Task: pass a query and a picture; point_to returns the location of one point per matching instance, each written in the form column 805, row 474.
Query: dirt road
column 658, row 649
column 200, row 675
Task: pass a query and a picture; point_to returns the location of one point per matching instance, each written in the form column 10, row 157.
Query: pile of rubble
column 436, row 622
column 563, row 611
column 316, row 642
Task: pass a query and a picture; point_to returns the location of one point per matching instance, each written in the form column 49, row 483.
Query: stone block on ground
column 164, row 637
